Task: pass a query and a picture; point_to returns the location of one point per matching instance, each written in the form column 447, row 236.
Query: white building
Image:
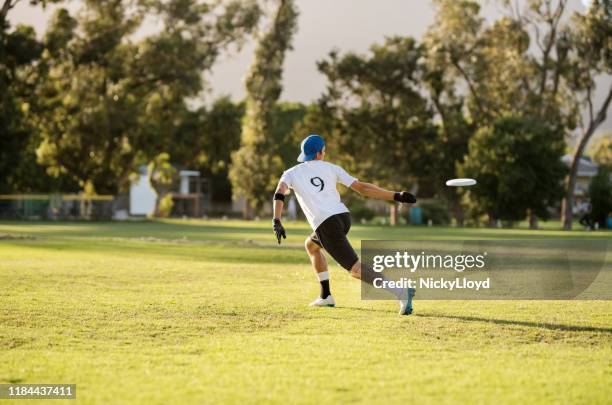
column 586, row 171
column 143, row 195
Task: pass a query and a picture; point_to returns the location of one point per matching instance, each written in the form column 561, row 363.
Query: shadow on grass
column 540, row 325
column 529, row 324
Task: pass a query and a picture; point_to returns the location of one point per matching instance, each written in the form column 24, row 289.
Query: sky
column 323, row 25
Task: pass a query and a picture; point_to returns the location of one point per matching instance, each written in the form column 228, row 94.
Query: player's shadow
column 544, row 325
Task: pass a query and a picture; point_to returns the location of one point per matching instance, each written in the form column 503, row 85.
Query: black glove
column 278, row 229
column 404, row 197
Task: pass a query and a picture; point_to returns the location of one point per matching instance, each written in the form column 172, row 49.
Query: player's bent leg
column 315, row 253
column 404, row 295
column 311, row 247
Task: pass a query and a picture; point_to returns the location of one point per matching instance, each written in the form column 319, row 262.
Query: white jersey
column 314, row 183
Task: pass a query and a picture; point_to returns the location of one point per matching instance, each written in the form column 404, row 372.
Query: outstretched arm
column 373, row 191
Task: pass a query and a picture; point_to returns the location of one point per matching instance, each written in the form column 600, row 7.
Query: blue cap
column 312, row 145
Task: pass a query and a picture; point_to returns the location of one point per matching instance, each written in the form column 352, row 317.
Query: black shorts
column 331, row 236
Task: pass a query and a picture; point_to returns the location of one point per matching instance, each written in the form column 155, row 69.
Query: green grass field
column 214, row 311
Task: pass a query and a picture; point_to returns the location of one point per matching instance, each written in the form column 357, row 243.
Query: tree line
column 87, row 104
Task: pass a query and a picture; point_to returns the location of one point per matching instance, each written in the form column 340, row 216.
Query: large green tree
column 18, row 49
column 205, row 140
column 442, row 82
column 517, row 161
column 256, row 165
column 19, row 52
column 513, row 65
column 589, row 57
column 382, row 125
column 530, row 63
column 86, row 119
column 111, row 102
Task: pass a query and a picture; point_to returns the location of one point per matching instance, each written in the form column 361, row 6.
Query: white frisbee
column 460, row 182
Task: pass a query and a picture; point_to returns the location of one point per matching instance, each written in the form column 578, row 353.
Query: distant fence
column 56, row 206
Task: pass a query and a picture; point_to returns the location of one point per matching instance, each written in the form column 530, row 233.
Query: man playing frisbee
column 314, row 183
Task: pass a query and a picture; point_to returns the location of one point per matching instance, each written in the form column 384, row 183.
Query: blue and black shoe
column 406, row 305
